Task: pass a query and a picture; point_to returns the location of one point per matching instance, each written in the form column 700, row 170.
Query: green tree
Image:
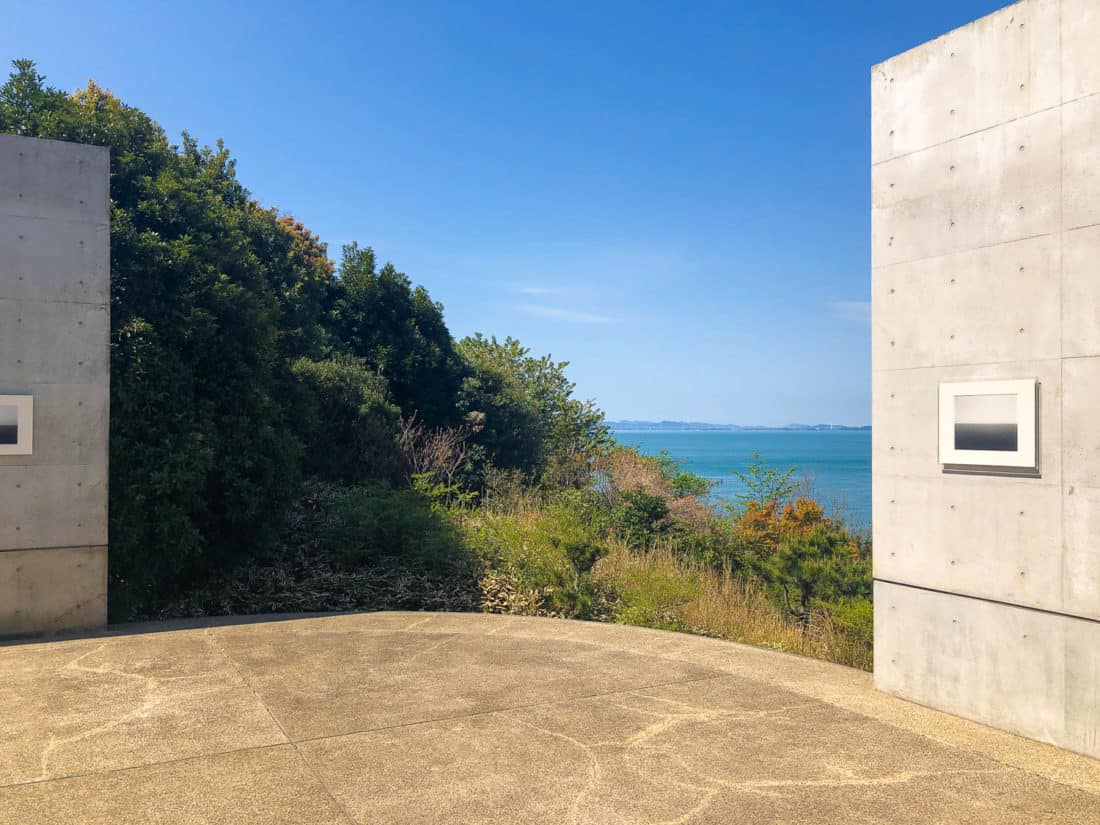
column 681, row 482
column 824, row 564
column 348, row 421
column 763, row 483
column 640, row 517
column 529, row 419
column 399, row 331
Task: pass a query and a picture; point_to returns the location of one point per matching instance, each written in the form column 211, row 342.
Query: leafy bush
column 544, row 553
column 530, row 420
column 647, row 591
column 375, row 523
column 640, row 518
column 764, row 484
column 348, row 420
column 302, row 574
column 399, row 331
column 854, row 622
column 680, row 482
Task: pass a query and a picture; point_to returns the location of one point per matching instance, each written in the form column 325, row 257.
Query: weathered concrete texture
column 54, row 330
column 947, row 651
column 1000, row 68
column 470, row 718
column 46, row 591
column 986, row 265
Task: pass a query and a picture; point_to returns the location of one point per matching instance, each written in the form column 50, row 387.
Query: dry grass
column 659, row 589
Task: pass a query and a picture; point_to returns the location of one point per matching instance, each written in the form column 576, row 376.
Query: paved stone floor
column 452, row 718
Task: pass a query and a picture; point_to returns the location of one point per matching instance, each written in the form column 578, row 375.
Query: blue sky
column 672, row 196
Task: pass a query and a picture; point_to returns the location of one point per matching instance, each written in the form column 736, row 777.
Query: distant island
column 699, row 426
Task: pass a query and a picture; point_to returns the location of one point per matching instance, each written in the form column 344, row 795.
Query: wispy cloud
column 857, row 311
column 544, row 291
column 572, row 316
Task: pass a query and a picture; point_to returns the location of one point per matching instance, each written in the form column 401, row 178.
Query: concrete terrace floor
column 465, row 718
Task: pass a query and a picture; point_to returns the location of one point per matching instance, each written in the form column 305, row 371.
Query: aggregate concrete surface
column 471, row 718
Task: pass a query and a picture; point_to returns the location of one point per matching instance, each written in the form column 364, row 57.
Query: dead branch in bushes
column 438, row 452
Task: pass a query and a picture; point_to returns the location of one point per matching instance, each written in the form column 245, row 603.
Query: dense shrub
column 375, row 524
column 640, row 518
column 309, row 570
column 348, row 421
column 529, row 419
column 399, row 331
column 541, row 554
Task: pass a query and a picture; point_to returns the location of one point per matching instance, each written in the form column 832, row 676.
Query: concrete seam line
column 1061, row 102
column 309, row 765
column 981, row 248
column 1062, row 320
column 956, row 365
column 988, row 600
column 143, row 765
column 58, row 547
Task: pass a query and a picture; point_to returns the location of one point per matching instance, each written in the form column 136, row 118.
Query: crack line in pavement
column 309, row 765
column 475, row 714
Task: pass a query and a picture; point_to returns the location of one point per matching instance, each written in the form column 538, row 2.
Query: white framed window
column 989, row 424
column 16, row 424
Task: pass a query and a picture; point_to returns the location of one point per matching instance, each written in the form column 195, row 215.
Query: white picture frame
column 16, row 424
column 989, row 424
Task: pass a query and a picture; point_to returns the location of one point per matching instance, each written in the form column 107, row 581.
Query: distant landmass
column 700, row 426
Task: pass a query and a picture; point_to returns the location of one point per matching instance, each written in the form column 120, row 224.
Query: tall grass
column 660, row 589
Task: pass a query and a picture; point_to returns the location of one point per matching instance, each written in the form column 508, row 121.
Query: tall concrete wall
column 986, row 265
column 54, row 328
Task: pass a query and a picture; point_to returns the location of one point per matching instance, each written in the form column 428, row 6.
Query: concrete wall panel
column 52, row 590
column 909, row 106
column 1081, row 162
column 1081, row 421
column 1081, row 551
column 53, row 342
column 29, row 513
column 42, row 260
column 995, row 186
column 53, row 179
column 942, row 311
column 1080, row 36
column 979, row 76
column 1081, row 292
column 1016, row 57
column 1082, row 710
column 949, row 652
column 995, row 538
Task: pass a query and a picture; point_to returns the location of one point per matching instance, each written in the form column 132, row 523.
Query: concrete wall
column 54, row 328
column 986, row 265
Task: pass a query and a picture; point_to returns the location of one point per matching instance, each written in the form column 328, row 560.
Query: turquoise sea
column 835, row 464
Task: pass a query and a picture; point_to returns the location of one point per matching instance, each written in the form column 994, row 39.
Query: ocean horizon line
column 679, row 426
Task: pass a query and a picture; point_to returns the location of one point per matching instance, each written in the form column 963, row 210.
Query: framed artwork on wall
column 16, row 424
column 989, row 424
